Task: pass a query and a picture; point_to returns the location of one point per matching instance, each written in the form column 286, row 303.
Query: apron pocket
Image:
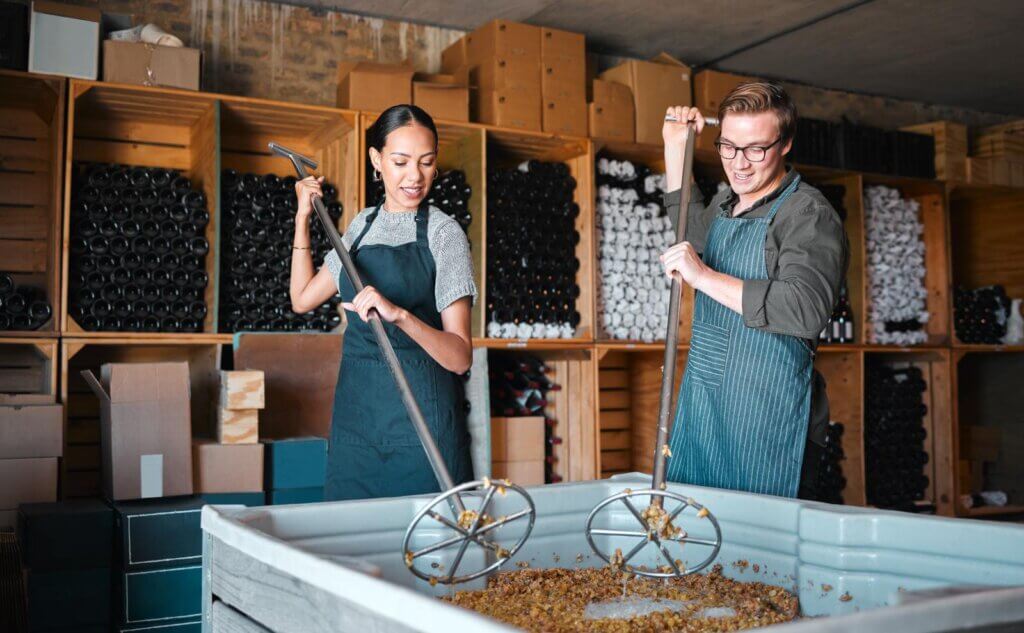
column 709, row 352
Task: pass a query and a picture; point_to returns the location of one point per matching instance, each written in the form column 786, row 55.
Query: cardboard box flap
column 95, row 385
column 377, row 68
column 136, row 382
column 665, row 58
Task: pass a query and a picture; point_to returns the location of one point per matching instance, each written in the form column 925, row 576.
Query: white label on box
column 151, row 475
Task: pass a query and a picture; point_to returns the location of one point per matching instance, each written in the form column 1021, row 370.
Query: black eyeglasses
column 753, row 153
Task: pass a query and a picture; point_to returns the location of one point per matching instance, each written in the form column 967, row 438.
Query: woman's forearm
column 673, row 166
column 302, row 263
column 450, row 350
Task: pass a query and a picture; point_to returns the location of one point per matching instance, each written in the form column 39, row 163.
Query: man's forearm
column 724, row 289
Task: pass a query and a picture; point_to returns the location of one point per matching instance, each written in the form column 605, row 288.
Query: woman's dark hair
column 394, row 118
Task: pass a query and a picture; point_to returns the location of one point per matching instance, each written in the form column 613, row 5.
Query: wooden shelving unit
column 610, row 388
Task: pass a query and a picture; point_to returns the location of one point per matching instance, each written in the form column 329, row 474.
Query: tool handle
column 444, row 478
column 666, row 408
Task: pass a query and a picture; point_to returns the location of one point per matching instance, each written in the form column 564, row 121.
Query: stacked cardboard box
column 611, row 114
column 152, row 65
column 517, row 450
column 295, row 470
column 950, row 148
column 233, row 463
column 998, row 157
column 66, row 554
column 30, row 443
column 563, row 82
column 372, row 86
column 710, row 88
column 656, row 85
column 444, row 97
column 158, row 564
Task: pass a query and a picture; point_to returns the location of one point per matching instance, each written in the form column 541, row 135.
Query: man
column 766, row 258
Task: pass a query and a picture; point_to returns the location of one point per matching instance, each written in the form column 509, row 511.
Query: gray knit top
column 445, row 238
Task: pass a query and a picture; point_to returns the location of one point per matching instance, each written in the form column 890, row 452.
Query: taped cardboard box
column 372, row 86
column 145, row 429
column 30, row 480
column 64, row 40
column 152, row 65
column 35, row 431
column 529, row 473
column 504, row 40
column 444, row 97
column 656, row 85
column 227, row 467
column 710, row 88
column 517, row 439
column 611, row 115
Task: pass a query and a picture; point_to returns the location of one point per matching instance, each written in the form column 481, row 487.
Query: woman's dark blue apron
column 374, row 450
column 743, row 410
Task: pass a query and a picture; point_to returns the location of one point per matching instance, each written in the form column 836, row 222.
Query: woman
column 415, row 263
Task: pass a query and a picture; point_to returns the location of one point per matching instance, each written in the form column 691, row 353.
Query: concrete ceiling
column 964, row 53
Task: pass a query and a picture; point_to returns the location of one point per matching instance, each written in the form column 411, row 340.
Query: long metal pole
column 444, row 478
column 666, row 408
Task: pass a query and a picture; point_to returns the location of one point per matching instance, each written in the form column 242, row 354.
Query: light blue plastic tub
column 868, row 569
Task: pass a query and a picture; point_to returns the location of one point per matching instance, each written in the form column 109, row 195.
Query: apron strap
column 366, row 227
column 782, row 198
column 422, row 220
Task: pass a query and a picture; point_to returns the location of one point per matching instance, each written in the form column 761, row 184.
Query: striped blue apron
column 743, row 410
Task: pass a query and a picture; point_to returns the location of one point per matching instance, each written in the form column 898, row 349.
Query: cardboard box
column 442, row 96
column 520, row 473
column 75, row 534
column 565, row 110
column 146, row 429
column 561, row 78
column 950, row 148
column 504, row 40
column 69, row 600
column 289, row 496
column 516, row 108
column 249, row 499
column 611, row 115
column 152, row 65
column 30, row 480
column 564, row 46
column 498, row 74
column 295, row 463
column 227, row 467
column 64, row 39
column 158, row 534
column 710, row 87
column 242, row 389
column 238, row 426
column 517, row 439
column 372, row 86
column 163, row 596
column 31, row 431
column 657, row 85
column 454, row 57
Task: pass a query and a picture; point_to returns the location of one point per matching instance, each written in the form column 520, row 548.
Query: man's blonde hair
column 761, row 96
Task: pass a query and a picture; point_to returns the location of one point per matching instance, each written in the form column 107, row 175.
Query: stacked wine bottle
column 633, row 231
column 898, row 298
column 981, row 314
column 519, row 387
column 137, row 250
column 257, row 228
column 831, row 481
column 531, row 252
column 894, row 455
column 450, row 193
column 22, row 308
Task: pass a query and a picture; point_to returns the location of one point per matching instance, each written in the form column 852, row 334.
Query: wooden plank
column 140, row 132
column 19, row 154
column 25, row 222
column 588, row 464
column 928, row 423
column 25, row 188
column 617, row 460
column 238, row 426
column 937, row 277
column 80, row 483
column 614, row 399
column 82, row 457
column 843, row 374
column 127, row 153
column 22, row 380
column 283, row 602
column 613, row 379
column 944, row 456
column 82, row 405
column 82, row 431
column 241, row 389
column 204, row 158
column 988, row 240
column 20, row 122
column 227, row 620
column 613, row 420
column 616, row 440
column 980, row 443
column 558, row 410
column 23, row 256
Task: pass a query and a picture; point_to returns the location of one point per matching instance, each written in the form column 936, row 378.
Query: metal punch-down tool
column 469, row 525
column 657, row 522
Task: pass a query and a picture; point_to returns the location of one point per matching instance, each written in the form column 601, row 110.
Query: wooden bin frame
column 81, row 404
column 135, row 131
column 31, row 178
column 46, row 348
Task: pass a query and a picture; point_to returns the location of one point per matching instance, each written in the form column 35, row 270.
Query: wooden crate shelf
column 28, row 370
column 988, row 427
column 843, row 371
column 80, row 473
column 147, row 127
column 572, row 409
column 32, row 111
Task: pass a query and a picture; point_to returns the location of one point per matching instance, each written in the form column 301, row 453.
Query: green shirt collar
column 725, row 209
